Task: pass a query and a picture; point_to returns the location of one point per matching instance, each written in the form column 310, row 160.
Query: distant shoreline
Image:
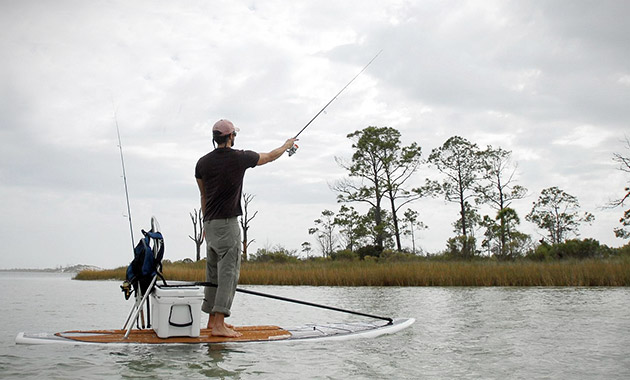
column 68, row 269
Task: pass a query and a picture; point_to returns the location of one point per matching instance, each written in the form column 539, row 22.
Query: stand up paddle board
column 309, row 332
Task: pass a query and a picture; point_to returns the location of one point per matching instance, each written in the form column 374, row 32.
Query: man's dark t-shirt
column 222, row 172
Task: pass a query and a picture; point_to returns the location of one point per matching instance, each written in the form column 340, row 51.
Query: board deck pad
column 322, row 331
column 249, row 334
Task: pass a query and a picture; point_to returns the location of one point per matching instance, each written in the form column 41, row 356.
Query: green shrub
column 344, row 255
column 541, row 253
column 455, row 247
column 279, row 255
column 368, row 250
column 623, row 251
column 571, row 249
column 396, row 256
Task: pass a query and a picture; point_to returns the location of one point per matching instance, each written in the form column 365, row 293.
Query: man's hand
column 274, row 154
column 290, row 143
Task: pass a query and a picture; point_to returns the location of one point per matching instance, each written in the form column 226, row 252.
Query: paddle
column 390, row 320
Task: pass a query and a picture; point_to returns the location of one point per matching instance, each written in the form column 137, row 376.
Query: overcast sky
column 547, row 80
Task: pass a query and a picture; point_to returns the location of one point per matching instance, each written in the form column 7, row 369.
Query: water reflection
column 218, row 355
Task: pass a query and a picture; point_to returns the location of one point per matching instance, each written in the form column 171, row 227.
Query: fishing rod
column 122, row 161
column 126, row 287
column 294, row 148
column 390, row 320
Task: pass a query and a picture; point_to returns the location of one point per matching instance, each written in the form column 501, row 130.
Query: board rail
column 269, row 333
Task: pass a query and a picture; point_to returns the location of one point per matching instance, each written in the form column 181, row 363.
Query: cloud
column 548, row 81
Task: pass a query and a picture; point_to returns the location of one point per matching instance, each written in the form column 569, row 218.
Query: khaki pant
column 223, row 255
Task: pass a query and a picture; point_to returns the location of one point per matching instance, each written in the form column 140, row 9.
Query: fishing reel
column 292, row 150
column 126, row 289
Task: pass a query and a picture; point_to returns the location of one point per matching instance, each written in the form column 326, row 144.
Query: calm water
column 470, row 333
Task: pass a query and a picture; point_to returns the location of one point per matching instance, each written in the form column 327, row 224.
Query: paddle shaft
column 254, row 293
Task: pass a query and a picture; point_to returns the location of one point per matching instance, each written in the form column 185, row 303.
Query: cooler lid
column 179, row 291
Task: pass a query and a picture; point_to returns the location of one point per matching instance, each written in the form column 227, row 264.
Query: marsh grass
column 178, row 271
column 412, row 273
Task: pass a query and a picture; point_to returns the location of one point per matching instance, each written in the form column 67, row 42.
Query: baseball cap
column 224, row 127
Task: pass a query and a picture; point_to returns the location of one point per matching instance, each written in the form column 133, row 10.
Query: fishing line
column 294, row 148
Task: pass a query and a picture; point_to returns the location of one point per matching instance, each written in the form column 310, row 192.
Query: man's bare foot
column 211, row 322
column 218, row 321
column 225, row 331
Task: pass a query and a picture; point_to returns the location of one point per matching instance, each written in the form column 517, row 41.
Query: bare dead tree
column 198, row 232
column 624, row 166
column 245, row 219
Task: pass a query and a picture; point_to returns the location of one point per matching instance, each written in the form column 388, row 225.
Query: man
column 220, row 179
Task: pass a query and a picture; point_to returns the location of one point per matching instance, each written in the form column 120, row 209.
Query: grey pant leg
column 223, row 241
column 211, row 274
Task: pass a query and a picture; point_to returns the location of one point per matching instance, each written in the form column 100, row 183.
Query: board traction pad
column 148, row 336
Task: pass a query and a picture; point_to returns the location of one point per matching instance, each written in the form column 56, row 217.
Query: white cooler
column 176, row 311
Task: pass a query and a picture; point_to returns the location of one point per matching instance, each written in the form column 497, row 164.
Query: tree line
column 379, row 173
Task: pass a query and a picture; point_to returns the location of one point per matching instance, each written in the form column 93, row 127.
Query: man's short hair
column 219, row 138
